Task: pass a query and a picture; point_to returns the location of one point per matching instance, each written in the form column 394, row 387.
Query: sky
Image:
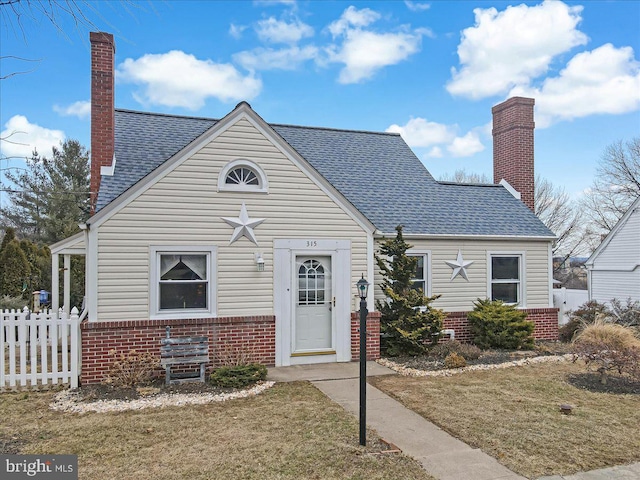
column 430, row 70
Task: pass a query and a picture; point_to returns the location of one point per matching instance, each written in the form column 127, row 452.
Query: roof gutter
column 432, row 236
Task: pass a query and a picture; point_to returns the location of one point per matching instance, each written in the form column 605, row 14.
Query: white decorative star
column 243, row 225
column 459, row 267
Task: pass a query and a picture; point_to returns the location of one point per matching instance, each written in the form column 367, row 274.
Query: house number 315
column 312, row 243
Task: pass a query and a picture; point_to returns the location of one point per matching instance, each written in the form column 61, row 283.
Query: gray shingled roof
column 377, row 172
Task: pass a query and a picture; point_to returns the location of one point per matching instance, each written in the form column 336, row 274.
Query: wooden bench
column 183, row 351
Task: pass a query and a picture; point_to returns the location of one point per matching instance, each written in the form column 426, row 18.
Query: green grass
column 290, row 431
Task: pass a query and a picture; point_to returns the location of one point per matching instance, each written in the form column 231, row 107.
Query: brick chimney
column 513, row 146
column 103, row 51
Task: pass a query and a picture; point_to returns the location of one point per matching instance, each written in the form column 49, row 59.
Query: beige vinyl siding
column 459, row 294
column 184, row 208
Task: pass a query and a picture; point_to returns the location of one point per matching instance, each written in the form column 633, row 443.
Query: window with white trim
column 242, row 176
column 421, row 279
column 506, row 278
column 182, row 282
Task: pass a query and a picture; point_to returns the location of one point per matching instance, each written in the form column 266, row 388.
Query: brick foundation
column 373, row 336
column 545, row 320
column 99, row 338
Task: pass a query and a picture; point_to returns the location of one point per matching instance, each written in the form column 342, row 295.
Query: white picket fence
column 39, row 348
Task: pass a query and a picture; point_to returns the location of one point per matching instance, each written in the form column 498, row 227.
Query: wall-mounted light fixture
column 260, row 262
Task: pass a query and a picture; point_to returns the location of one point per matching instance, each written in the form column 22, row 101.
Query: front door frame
column 284, row 275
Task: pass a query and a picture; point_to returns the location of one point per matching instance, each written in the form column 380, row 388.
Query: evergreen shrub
column 238, row 376
column 497, row 325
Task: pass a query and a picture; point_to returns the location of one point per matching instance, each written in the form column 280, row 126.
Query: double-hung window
column 182, row 282
column 506, row 277
column 421, row 279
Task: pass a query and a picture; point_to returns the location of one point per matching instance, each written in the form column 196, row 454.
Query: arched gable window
column 242, row 176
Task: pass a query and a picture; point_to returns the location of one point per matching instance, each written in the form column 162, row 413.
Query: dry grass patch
column 514, row 415
column 290, row 431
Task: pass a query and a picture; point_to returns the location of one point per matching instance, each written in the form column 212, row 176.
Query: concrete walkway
column 441, row 455
column 625, row 472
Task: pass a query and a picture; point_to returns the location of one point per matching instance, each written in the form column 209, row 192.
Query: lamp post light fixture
column 363, row 288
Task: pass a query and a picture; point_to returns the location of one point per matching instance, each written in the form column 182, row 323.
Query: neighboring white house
column 613, row 270
column 255, row 234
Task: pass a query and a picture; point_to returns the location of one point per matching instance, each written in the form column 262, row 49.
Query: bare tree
column 63, row 15
column 561, row 215
column 461, row 176
column 616, row 186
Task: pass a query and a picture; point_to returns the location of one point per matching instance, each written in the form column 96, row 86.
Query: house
column 613, row 270
column 255, row 234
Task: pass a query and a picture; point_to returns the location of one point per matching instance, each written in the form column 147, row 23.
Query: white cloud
column 605, row 80
column 364, row 53
column 421, row 133
column 80, row 109
column 509, row 48
column 353, row 18
column 21, row 138
column 417, row 6
column 269, row 59
column 465, row 146
column 435, row 152
column 177, row 79
column 278, row 31
column 236, row 30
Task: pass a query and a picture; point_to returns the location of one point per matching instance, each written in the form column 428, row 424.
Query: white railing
column 39, row 348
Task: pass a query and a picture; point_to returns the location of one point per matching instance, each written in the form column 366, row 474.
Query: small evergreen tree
column 495, row 324
column 52, row 195
column 409, row 324
column 9, row 234
column 14, row 271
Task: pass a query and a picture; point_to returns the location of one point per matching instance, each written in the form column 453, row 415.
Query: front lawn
column 289, row 431
column 514, row 415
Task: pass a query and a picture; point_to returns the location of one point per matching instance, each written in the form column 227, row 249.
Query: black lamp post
column 363, row 287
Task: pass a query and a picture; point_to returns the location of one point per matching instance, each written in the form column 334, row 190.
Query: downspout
column 85, row 307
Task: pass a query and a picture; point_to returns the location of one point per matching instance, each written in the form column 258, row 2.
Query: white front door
column 313, row 319
column 312, row 300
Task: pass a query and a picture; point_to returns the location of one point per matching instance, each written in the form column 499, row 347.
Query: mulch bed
column 487, row 357
column 616, row 384
column 102, row 391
